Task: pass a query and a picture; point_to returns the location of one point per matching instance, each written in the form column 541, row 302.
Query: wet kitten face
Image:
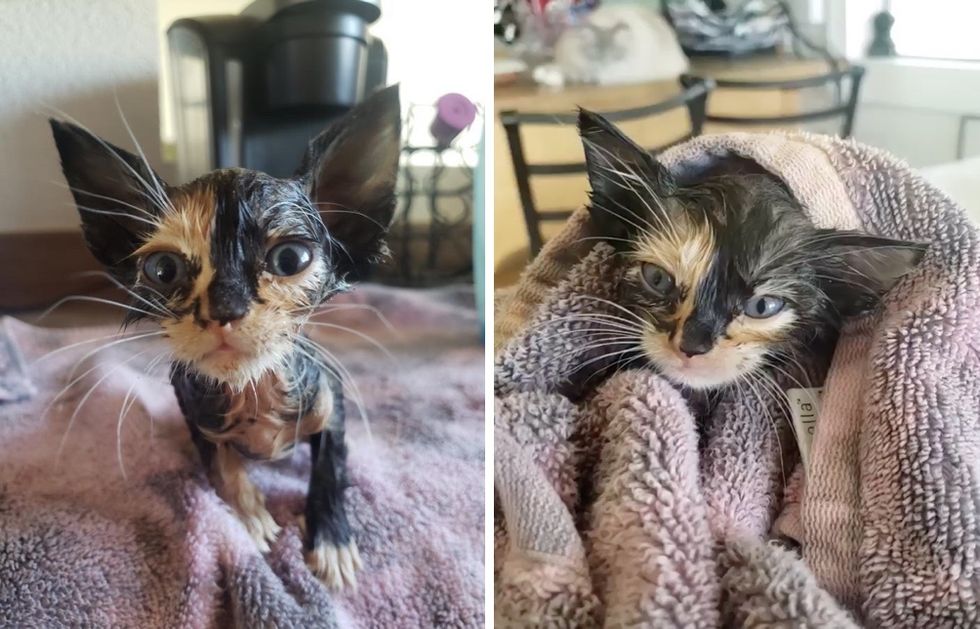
column 231, row 264
column 727, row 275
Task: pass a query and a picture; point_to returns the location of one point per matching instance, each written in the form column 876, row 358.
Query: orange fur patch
column 231, row 481
column 684, row 249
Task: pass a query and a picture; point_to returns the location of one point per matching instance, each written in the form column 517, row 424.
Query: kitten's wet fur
column 231, row 265
column 725, row 275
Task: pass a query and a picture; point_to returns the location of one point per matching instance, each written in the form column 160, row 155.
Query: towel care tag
column 804, row 404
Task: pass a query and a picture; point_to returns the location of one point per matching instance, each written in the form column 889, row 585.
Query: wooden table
column 561, row 144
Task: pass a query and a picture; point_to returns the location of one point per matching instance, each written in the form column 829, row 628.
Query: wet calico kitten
column 726, row 275
column 230, row 266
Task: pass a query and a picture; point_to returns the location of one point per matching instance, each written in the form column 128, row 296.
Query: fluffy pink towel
column 82, row 545
column 618, row 509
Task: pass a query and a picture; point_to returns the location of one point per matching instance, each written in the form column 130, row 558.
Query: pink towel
column 618, row 509
column 83, row 545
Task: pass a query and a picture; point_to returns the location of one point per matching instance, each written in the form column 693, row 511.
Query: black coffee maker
column 250, row 90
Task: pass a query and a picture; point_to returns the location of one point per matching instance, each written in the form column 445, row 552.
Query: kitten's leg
column 233, row 485
column 204, row 447
column 331, row 552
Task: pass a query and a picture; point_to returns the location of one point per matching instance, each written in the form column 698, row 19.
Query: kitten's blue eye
column 288, row 258
column 763, row 306
column 164, row 268
column 656, row 279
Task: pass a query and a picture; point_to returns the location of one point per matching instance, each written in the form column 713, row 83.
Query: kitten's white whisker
column 346, row 210
column 161, row 194
column 626, row 351
column 586, row 336
column 347, row 380
column 120, row 341
column 79, row 344
column 779, row 397
column 586, row 348
column 615, row 305
column 366, row 337
column 605, row 239
column 328, row 308
column 114, row 200
column 663, row 218
column 73, row 381
column 147, row 190
column 100, row 300
column 166, row 355
column 161, row 307
column 761, row 400
column 84, row 208
column 88, row 394
column 595, row 317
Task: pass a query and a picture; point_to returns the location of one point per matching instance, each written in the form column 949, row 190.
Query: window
column 941, row 29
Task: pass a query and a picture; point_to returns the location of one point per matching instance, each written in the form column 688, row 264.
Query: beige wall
column 76, row 56
column 73, row 56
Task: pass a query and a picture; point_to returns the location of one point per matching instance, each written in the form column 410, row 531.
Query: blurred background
column 903, row 75
column 206, row 84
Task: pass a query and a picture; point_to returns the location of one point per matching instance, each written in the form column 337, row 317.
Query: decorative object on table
column 454, row 113
column 506, row 22
column 537, row 25
column 717, row 28
column 748, row 27
column 881, row 42
column 431, row 238
column 616, row 44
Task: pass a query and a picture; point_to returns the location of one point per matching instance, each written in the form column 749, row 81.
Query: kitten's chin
column 713, row 370
column 234, row 368
column 699, row 379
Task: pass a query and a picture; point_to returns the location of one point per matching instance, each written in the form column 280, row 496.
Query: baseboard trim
column 39, row 268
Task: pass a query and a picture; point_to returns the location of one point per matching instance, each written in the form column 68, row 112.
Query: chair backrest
column 693, row 98
column 843, row 107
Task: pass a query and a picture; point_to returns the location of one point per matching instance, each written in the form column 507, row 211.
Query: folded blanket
column 615, row 506
column 122, row 529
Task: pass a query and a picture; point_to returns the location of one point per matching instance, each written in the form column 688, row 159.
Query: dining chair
column 843, row 107
column 693, row 98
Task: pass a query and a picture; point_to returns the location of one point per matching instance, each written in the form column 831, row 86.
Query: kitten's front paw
column 334, row 565
column 262, row 528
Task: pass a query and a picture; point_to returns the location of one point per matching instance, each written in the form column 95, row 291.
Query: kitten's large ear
column 858, row 269
column 350, row 172
column 623, row 176
column 117, row 194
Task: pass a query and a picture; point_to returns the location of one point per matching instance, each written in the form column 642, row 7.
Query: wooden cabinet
column 561, row 144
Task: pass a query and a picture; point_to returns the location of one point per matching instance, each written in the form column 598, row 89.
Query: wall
column 75, row 57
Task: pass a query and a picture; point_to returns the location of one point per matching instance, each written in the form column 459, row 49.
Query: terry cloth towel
column 619, row 508
column 15, row 384
column 83, row 545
